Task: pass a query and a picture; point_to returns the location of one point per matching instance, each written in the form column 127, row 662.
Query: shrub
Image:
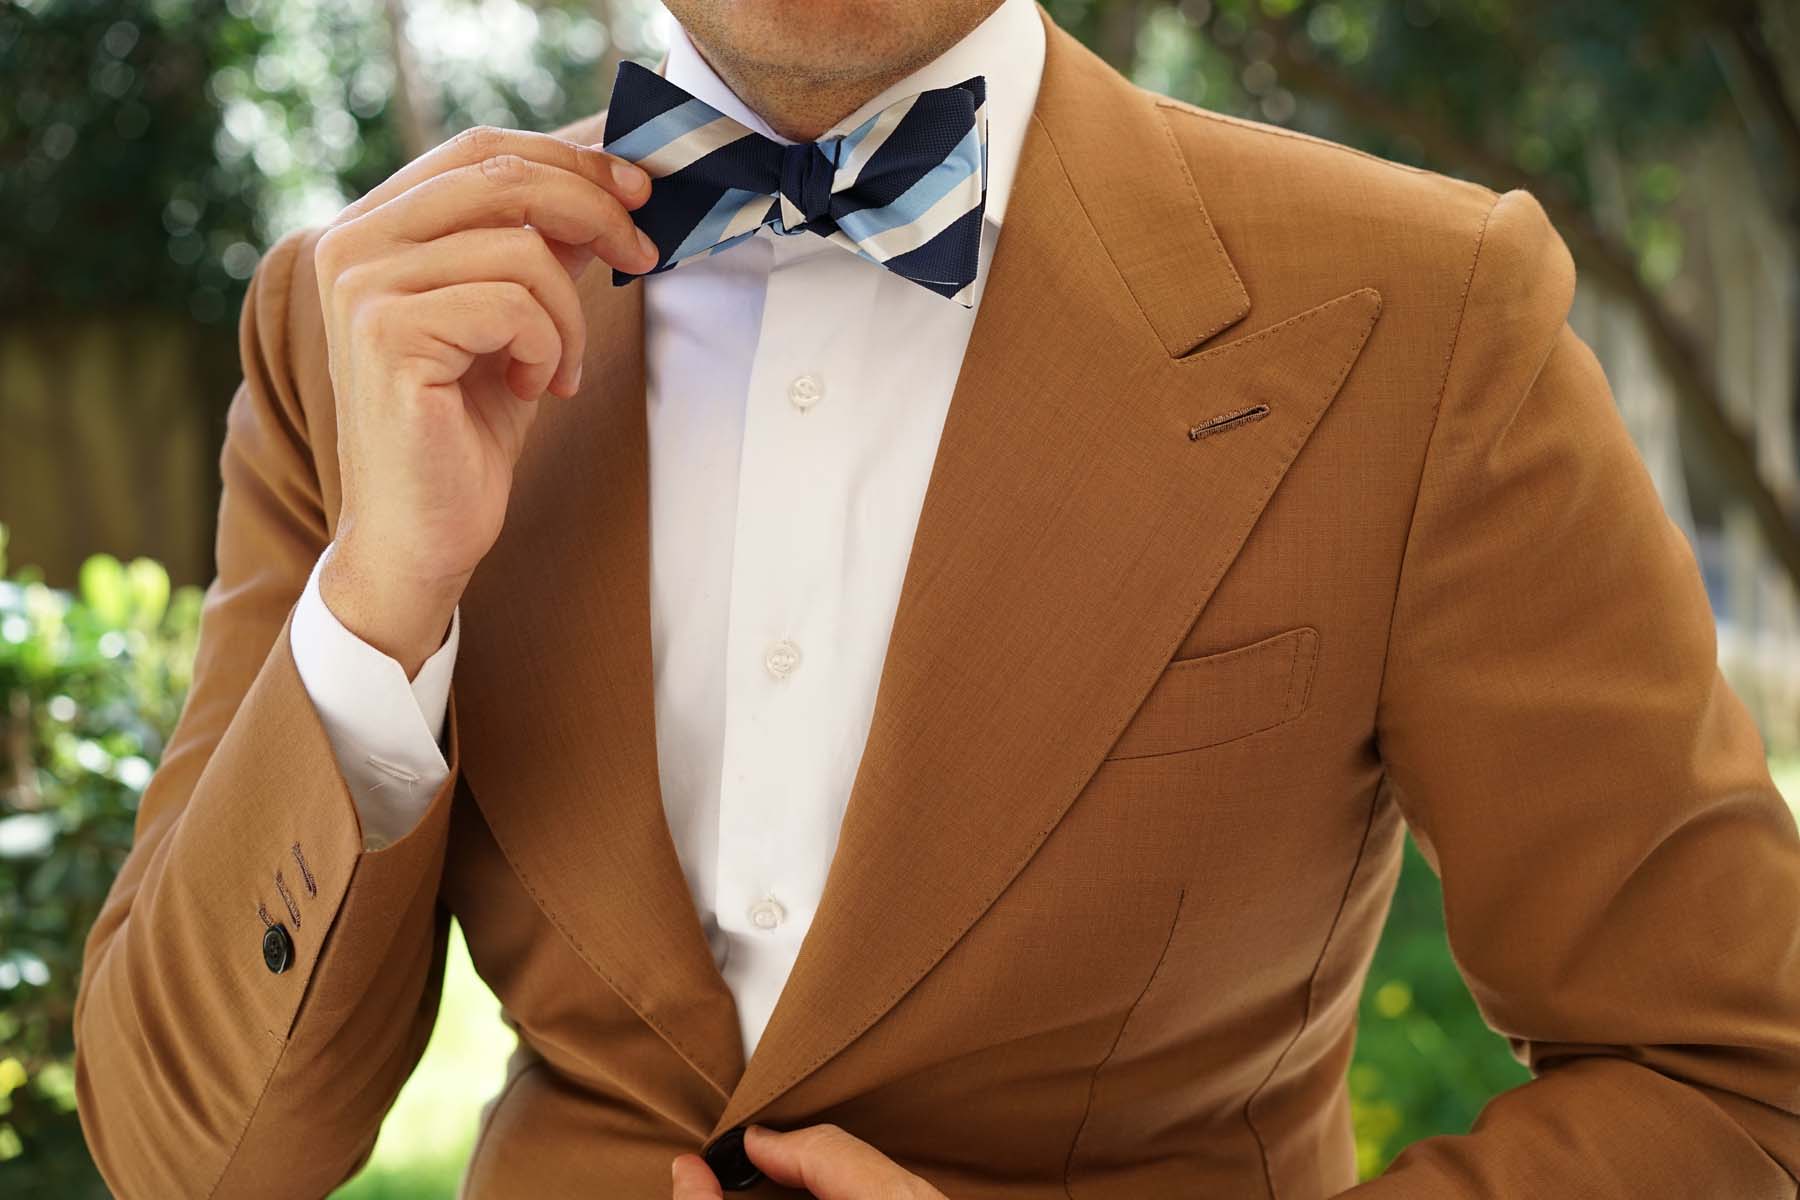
column 90, row 686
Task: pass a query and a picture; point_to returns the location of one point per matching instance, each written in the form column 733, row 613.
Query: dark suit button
column 278, row 948
column 728, row 1161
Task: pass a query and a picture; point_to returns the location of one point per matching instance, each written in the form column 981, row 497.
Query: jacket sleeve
column 199, row 1070
column 1621, row 877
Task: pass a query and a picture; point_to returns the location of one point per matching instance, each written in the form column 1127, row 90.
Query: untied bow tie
column 905, row 189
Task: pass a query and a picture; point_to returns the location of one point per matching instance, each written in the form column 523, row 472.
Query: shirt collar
column 1007, row 49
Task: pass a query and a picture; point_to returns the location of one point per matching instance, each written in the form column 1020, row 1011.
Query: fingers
column 509, row 190
column 518, row 256
column 433, row 337
column 694, row 1180
column 574, row 259
column 831, row 1164
column 626, row 181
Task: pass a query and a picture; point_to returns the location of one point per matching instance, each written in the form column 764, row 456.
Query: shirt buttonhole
column 392, row 768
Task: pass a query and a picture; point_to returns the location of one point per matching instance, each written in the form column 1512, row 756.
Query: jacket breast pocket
column 1213, row 698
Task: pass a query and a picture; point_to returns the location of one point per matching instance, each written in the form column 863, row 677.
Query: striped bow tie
column 905, row 189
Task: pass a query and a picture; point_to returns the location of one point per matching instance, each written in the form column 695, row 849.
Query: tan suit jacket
column 1278, row 509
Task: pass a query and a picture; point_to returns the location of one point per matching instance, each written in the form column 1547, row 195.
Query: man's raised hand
column 450, row 308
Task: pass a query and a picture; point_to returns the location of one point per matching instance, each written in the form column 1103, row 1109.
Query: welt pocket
column 1213, row 698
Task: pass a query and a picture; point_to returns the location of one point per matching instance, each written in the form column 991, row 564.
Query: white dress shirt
column 795, row 397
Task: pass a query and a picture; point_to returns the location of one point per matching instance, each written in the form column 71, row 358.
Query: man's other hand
column 822, row 1159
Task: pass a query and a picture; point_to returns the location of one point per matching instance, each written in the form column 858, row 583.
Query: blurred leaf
column 148, row 585
column 103, row 589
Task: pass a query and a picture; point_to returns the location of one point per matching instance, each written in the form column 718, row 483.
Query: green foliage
column 90, row 686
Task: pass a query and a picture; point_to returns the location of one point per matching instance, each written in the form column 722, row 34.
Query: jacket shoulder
column 1373, row 216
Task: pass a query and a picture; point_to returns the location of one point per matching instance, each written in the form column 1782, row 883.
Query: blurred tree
column 108, row 165
column 149, row 149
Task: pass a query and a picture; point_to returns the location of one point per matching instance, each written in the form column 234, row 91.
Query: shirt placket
column 783, row 771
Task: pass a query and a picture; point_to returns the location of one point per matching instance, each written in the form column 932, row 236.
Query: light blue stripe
column 733, row 240
column 659, row 131
column 846, row 145
column 712, row 225
column 930, row 187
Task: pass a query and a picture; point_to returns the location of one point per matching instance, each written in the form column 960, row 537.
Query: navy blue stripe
column 952, row 255
column 639, row 94
column 934, row 125
column 926, row 135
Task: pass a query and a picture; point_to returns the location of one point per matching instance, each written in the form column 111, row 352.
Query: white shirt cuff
column 384, row 729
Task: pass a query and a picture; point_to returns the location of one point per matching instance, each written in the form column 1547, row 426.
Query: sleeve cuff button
column 278, row 948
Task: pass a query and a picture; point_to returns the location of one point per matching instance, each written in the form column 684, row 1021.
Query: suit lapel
column 1071, row 533
column 556, row 704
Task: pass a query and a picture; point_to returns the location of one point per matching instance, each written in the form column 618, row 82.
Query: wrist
column 405, row 616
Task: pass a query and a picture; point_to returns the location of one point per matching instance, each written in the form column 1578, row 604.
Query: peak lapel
column 556, row 703
column 1071, row 533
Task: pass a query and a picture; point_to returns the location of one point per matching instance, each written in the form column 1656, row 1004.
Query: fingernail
column 576, row 381
column 648, row 247
column 629, row 176
column 674, row 1168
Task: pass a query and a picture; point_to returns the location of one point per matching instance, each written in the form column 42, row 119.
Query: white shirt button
column 767, row 913
column 805, row 392
column 781, row 658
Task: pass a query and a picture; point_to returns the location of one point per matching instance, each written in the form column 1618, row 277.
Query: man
column 944, row 673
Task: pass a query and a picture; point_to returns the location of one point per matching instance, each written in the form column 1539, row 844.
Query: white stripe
column 746, row 218
column 851, row 167
column 791, row 216
column 849, row 243
column 692, row 147
column 933, row 221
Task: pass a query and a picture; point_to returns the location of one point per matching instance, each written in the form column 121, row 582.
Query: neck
column 801, row 110
column 802, row 105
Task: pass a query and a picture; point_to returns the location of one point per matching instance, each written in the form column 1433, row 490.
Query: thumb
column 824, row 1160
column 693, row 1179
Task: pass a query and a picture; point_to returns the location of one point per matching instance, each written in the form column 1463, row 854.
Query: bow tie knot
column 806, row 181
column 905, row 189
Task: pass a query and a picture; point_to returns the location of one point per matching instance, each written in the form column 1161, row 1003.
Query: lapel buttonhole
column 1230, row 420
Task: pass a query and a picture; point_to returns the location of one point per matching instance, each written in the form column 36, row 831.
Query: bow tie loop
column 807, row 175
column 905, row 190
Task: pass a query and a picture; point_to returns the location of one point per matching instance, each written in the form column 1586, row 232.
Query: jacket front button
column 278, row 948
column 730, row 1163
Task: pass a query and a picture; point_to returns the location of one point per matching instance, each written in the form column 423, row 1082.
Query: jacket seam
column 249, row 1118
column 1089, row 218
column 283, row 264
column 284, row 257
column 1296, row 135
column 1212, row 232
column 1312, row 979
column 1437, row 410
column 1094, row 1079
